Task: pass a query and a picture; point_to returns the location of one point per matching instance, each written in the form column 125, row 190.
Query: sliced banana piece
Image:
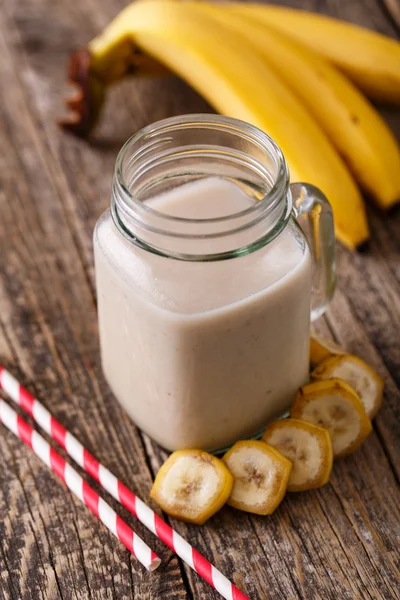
column 192, row 485
column 354, row 371
column 309, row 449
column 260, row 476
column 322, row 348
column 334, row 405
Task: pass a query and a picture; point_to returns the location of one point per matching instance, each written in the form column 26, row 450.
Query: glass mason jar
column 204, row 317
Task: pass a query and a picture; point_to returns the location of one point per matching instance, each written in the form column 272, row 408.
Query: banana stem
column 88, row 98
column 90, row 79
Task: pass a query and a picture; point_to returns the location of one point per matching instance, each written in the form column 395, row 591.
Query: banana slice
column 192, row 485
column 334, row 405
column 321, row 348
column 309, row 449
column 354, row 371
column 260, row 476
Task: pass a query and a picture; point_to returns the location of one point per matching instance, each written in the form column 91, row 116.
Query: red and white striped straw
column 117, row 489
column 78, row 486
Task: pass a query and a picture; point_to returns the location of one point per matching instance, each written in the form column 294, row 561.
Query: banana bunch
column 287, row 72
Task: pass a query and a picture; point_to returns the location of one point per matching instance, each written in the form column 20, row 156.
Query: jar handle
column 314, row 214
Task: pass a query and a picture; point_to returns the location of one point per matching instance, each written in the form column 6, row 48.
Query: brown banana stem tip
column 86, row 102
column 90, row 86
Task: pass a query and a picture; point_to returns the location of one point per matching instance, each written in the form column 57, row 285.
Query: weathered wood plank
column 338, row 542
column 51, row 545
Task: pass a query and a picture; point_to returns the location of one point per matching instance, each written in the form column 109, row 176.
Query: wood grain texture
column 339, row 542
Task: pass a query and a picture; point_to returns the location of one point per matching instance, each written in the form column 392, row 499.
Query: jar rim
column 228, row 124
column 128, row 209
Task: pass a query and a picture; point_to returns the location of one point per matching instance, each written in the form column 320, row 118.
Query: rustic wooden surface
column 339, row 542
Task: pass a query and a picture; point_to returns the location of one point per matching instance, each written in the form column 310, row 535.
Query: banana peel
column 371, row 60
column 148, row 36
column 349, row 120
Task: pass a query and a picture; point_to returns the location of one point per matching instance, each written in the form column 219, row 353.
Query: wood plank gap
column 355, row 529
column 391, row 8
column 342, row 546
column 272, row 570
column 10, row 578
column 391, row 464
column 188, row 588
column 182, row 565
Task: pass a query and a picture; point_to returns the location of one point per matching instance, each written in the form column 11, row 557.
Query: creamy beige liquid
column 203, row 354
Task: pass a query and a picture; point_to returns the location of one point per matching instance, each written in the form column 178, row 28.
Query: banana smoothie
column 203, row 353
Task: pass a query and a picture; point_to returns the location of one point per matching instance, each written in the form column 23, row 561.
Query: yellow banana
column 353, row 125
column 371, row 60
column 225, row 69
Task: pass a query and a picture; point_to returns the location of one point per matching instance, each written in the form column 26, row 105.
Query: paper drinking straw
column 78, row 486
column 117, row 489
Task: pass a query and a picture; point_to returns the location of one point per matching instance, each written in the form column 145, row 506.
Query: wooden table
column 339, row 542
